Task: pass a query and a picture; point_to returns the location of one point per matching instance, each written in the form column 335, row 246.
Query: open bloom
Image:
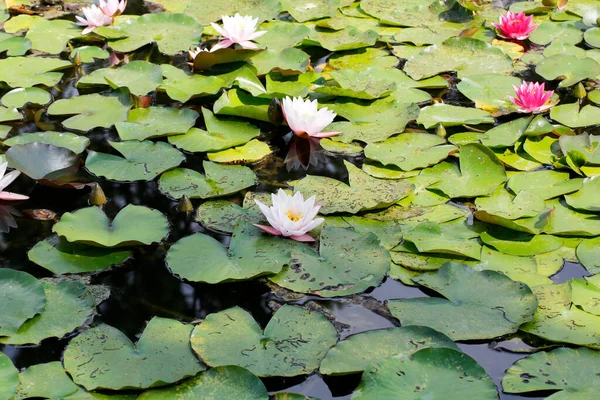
column 7, row 179
column 531, row 97
column 112, row 8
column 94, row 17
column 291, row 216
column 237, row 29
column 515, row 26
column 303, row 117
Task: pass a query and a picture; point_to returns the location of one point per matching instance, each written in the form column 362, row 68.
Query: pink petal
column 268, row 229
column 12, row 196
column 303, row 238
column 223, row 44
column 325, row 134
column 248, row 45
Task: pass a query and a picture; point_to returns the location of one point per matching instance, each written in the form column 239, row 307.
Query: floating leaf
column 350, row 38
column 588, row 254
column 520, row 244
column 31, row 71
column 142, row 161
column 239, row 103
column 19, row 97
column 132, row 225
column 505, row 135
column 449, row 115
column 43, row 161
column 478, row 304
column 21, row 298
column 220, row 215
column 566, row 221
column 293, row 343
column 252, row 151
column 350, row 83
column 572, row 116
column 88, row 54
column 93, row 111
column 586, row 197
column 290, row 60
column 14, row 45
column 206, row 11
column 281, row 35
column 306, row 10
column 449, row 238
column 51, row 36
column 77, row 144
column 9, row 377
column 162, row 356
column 569, row 70
column 504, row 204
column 151, row 122
column 140, row 77
column 550, row 32
column 489, row 92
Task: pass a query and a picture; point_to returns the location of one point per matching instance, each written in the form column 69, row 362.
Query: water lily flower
column 303, row 117
column 113, row 8
column 192, row 53
column 94, row 18
column 237, row 29
column 7, row 179
column 515, row 26
column 291, row 216
column 531, row 97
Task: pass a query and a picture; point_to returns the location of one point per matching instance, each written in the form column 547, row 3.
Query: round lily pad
column 68, row 306
column 162, row 356
column 206, row 11
column 77, row 144
column 569, row 70
column 88, row 54
column 43, row 161
column 52, row 36
column 30, row 71
column 293, row 343
column 151, row 122
column 132, row 225
column 21, row 298
column 92, row 111
column 9, row 378
column 449, row 115
column 454, row 238
column 140, row 77
column 19, row 97
column 477, row 304
column 220, row 215
column 489, row 92
column 230, row 382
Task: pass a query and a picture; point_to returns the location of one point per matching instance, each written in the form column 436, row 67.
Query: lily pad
column 77, row 144
column 181, row 86
column 220, row 215
column 350, row 38
column 281, row 35
column 507, row 134
column 504, row 204
column 573, row 116
column 151, row 122
column 293, row 342
column 453, row 238
column 91, row 111
column 348, row 262
column 132, row 225
column 592, row 37
column 68, row 306
column 448, row 115
column 478, row 304
column 206, row 11
column 140, row 77
column 52, row 36
column 586, row 197
column 9, row 378
column 562, row 32
column 588, row 254
column 519, row 243
column 489, row 92
column 239, row 103
column 290, row 61
column 545, row 184
column 61, row 257
column 162, row 356
column 252, row 151
column 21, row 298
column 306, row 10
column 566, row 221
column 19, row 97
column 43, row 161
column 30, row 71
column 356, row 353
column 14, row 45
column 88, row 54
column 569, row 70
column 142, row 161
column 350, row 83
column 219, row 180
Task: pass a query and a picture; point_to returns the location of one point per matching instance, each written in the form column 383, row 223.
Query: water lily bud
column 185, row 205
column 579, row 91
column 97, row 196
column 440, row 131
column 275, row 113
column 77, row 59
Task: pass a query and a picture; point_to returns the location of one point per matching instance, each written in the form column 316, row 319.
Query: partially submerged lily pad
column 71, row 141
column 43, row 161
column 21, row 298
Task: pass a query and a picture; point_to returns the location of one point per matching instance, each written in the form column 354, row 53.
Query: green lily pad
column 14, row 45
column 306, row 10
column 586, row 294
column 142, row 161
column 586, row 197
column 22, row 297
column 551, row 32
column 239, row 103
column 68, row 306
column 592, row 37
column 571, row 371
column 88, row 54
column 545, row 184
column 19, row 97
column 478, row 304
column 585, row 146
column 77, row 144
column 252, row 151
column 480, row 173
column 507, row 134
column 132, row 225
column 357, row 352
column 171, row 32
column 151, row 122
column 425, row 35
column 405, row 13
column 566, row 221
column 43, row 161
column 219, row 180
column 91, row 111
column 557, row 319
column 293, row 342
column 140, row 77
column 206, row 11
column 428, row 373
column 350, row 83
column 9, row 114
column 348, row 262
column 61, row 257
column 504, row 204
column 181, row 86
column 9, row 378
column 449, row 115
column 363, row 58
column 251, row 253
column 363, row 193
column 350, row 38
column 489, row 92
column 31, row 71
column 281, row 35
column 451, row 55
column 569, row 70
column 572, row 116
column 220, row 215
column 588, row 254
column 52, row 36
column 229, row 382
column 162, row 356
column 519, row 243
column 290, row 60
column 448, row 238
column 410, row 150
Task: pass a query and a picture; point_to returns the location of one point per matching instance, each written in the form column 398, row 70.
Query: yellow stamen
column 293, row 216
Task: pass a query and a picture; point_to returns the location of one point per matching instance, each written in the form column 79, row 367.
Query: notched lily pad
column 91, row 111
column 151, row 122
column 140, row 77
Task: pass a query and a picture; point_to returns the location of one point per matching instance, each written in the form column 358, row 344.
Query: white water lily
column 291, row 216
column 113, row 8
column 305, row 119
column 7, row 179
column 237, row 29
column 192, row 53
column 94, row 18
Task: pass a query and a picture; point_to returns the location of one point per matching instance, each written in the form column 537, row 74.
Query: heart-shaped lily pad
column 43, row 161
column 21, row 298
column 151, row 122
column 293, row 343
column 51, row 36
column 92, row 111
column 251, row 253
column 449, row 115
column 31, row 71
column 519, row 243
column 88, row 54
column 348, row 262
column 550, row 32
column 478, row 304
column 14, row 45
column 162, row 356
column 142, row 161
column 17, row 98
column 140, row 77
column 489, row 92
column 132, row 225
column 71, row 141
column 357, row 352
column 61, row 257
column 9, row 378
column 507, row 134
column 569, row 70
column 572, row 116
column 545, row 184
column 241, row 104
column 453, row 238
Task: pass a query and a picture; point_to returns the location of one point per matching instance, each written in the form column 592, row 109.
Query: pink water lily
column 531, row 97
column 515, row 26
column 305, row 119
column 237, row 30
column 93, row 18
column 113, row 8
column 291, row 216
column 7, row 179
